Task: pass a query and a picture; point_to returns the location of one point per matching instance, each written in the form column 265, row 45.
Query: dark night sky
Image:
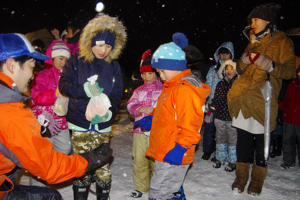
column 150, row 23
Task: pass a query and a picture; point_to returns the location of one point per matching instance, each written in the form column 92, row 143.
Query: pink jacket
column 43, row 90
column 144, row 96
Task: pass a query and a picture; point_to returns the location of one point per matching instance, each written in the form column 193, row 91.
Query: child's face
column 167, row 75
column 224, row 56
column 149, row 77
column 101, row 51
column 230, row 72
column 59, row 62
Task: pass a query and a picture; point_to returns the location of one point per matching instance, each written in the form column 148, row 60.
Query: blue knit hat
column 104, row 37
column 170, row 56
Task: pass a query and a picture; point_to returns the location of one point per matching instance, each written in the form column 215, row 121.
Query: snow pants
column 62, row 142
column 85, row 141
column 29, row 192
column 245, row 143
column 167, row 179
column 291, row 136
column 209, row 142
column 143, row 166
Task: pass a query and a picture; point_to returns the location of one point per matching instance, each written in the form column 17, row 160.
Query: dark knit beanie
column 104, row 37
column 145, row 65
column 192, row 54
column 266, row 12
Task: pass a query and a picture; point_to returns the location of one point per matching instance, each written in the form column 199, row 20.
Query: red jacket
column 291, row 103
column 21, row 143
column 177, row 118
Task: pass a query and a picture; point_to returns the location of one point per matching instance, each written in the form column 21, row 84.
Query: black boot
column 102, row 188
column 277, row 145
column 80, row 192
column 81, row 188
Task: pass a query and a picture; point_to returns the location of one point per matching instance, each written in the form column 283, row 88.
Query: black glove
column 97, row 157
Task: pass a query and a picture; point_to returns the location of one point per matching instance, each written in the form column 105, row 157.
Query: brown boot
column 257, row 179
column 242, row 175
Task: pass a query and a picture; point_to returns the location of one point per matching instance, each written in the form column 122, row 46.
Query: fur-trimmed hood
column 221, row 71
column 101, row 23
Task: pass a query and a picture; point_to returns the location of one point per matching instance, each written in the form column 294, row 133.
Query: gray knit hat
column 266, row 12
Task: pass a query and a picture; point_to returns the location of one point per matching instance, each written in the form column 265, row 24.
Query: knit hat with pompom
column 170, row 56
column 145, row 65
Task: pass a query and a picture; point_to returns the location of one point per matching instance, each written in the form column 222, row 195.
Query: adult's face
column 22, row 76
column 258, row 25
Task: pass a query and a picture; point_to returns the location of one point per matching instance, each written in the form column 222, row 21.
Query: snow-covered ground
column 202, row 181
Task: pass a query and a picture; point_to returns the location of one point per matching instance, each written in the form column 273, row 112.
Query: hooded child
column 223, row 53
column 226, row 135
column 43, row 94
column 100, row 45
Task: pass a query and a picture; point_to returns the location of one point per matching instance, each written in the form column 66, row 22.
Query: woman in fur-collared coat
column 269, row 53
column 100, row 44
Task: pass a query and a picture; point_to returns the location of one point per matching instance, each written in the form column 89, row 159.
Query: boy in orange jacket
column 176, row 120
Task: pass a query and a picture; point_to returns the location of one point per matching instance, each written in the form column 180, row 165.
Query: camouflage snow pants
column 85, row 141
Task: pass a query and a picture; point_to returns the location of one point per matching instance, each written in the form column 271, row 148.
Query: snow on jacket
column 212, row 77
column 220, row 99
column 144, row 96
column 43, row 94
column 245, row 93
column 21, row 142
column 291, row 103
column 178, row 117
column 84, row 64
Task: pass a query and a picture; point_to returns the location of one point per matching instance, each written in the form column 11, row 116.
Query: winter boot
column 205, row 156
column 179, row 195
column 257, row 179
column 242, row 175
column 102, row 188
column 81, row 188
column 277, row 144
column 231, row 159
column 230, row 167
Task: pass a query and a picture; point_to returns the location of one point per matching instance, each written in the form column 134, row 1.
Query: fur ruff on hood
column 101, row 23
column 221, row 70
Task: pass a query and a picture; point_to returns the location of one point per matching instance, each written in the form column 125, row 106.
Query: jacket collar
column 11, row 93
column 177, row 78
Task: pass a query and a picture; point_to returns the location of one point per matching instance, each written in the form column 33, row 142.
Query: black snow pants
column 27, row 192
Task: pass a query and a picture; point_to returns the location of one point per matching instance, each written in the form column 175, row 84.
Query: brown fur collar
column 100, row 23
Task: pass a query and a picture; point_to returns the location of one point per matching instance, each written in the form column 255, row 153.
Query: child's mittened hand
column 97, row 119
column 92, row 90
column 53, row 126
column 145, row 122
column 175, row 155
column 209, row 116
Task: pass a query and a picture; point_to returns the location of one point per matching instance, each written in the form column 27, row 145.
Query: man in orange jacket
column 21, row 143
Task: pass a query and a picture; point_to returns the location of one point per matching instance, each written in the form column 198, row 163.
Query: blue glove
column 92, row 90
column 175, row 155
column 97, row 119
column 145, row 122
